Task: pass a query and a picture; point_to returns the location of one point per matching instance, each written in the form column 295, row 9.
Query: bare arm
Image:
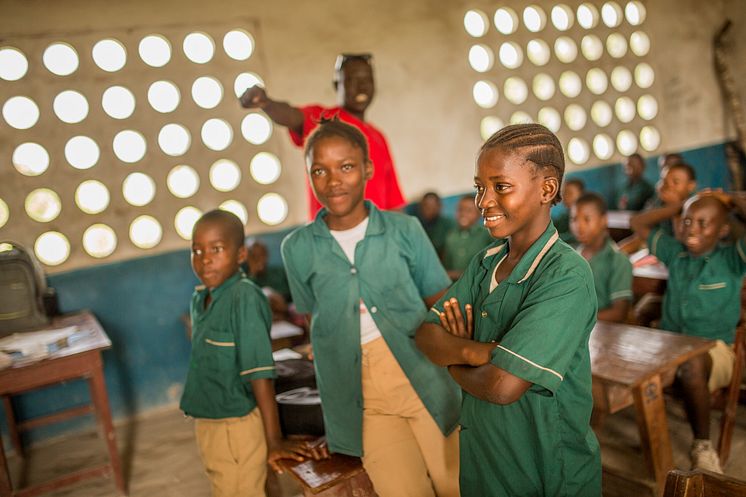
column 445, row 349
column 281, row 113
column 616, row 313
column 490, row 383
column 644, row 222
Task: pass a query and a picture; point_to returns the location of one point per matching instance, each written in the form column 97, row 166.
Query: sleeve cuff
column 525, row 368
column 259, row 373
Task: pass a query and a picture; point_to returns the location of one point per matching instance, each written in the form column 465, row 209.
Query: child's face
column 429, row 208
column 257, row 258
column 215, row 255
column 355, row 86
column 466, row 213
column 633, row 168
column 587, row 223
column 675, row 185
column 703, row 224
column 570, row 194
column 511, row 193
column 338, row 174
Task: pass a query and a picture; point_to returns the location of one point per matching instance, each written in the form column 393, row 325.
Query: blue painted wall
column 140, row 303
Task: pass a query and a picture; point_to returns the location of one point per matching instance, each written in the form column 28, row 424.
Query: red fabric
column 383, row 188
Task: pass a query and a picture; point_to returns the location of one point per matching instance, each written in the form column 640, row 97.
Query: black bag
column 23, row 288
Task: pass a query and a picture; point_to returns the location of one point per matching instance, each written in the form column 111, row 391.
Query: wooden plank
column 30, row 424
column 653, row 427
column 615, row 483
column 63, row 481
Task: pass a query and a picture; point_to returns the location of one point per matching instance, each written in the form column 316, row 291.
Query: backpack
column 23, row 286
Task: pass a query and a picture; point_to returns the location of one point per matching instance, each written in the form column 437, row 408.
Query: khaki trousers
column 404, row 452
column 234, row 453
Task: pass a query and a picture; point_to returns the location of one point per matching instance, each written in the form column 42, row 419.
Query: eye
column 501, row 187
column 196, row 251
column 479, row 188
column 687, row 222
column 217, row 249
column 318, row 172
column 347, row 167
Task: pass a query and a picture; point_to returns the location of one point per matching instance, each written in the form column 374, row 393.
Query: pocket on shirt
column 712, row 286
column 218, row 350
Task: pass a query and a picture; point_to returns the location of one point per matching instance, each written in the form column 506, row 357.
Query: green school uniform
column 462, row 244
column 395, row 267
column 437, row 230
column 273, row 277
column 612, row 274
column 230, row 347
column 634, row 195
column 703, row 294
column 561, row 221
column 541, row 316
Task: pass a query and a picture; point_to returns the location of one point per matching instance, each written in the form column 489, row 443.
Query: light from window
column 60, row 59
column 562, row 17
column 30, row 159
column 624, row 108
column 272, row 209
column 217, row 134
column 145, row 232
column 99, row 241
column 174, row 139
column 596, row 81
column 118, row 102
column 52, row 248
column 647, row 107
column 591, row 47
column 565, row 49
column 238, row 44
column 639, row 43
column 4, row 213
column 626, row 142
column 506, row 20
column 246, row 80
column 265, row 168
column 644, row 75
column 92, row 196
column 510, row 55
column 621, row 79
column 13, row 64
column 129, row 146
column 109, row 55
column 549, row 117
column 43, row 205
column 520, row 117
column 256, row 128
column 611, row 14
column 489, row 126
column 481, row 58
column 603, row 146
column 236, row 208
column 485, row 94
column 81, row 152
column 199, row 48
column 138, row 189
column 575, row 117
column 225, row 175
column 182, row 181
column 577, row 150
column 155, row 50
column 207, row 92
column 476, row 23
column 164, row 96
column 515, row 90
column 70, row 106
column 650, row 138
column 587, row 16
column 185, row 220
column 601, row 113
column 616, row 45
column 537, row 52
column 543, row 86
column 534, row 18
column 20, row 112
column 570, row 84
column 635, row 13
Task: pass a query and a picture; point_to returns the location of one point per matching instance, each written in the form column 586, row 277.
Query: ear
column 369, row 170
column 691, row 186
column 243, row 254
column 549, row 189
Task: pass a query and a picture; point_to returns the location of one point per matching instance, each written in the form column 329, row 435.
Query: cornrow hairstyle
column 577, row 182
column 593, row 198
column 689, row 170
column 538, row 145
column 328, row 128
column 230, row 224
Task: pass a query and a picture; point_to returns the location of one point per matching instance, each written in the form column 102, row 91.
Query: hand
column 719, row 194
column 453, row 321
column 296, row 450
column 669, row 197
column 254, row 97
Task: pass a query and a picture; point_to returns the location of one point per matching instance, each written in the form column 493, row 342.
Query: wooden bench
column 702, row 484
column 338, row 476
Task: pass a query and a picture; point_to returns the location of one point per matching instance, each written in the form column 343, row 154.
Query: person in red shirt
column 353, row 82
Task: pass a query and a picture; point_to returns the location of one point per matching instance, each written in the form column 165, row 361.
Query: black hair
column 577, row 182
column 593, row 198
column 432, row 195
column 689, row 170
column 638, row 157
column 543, row 149
column 328, row 128
column 229, row 222
column 344, row 58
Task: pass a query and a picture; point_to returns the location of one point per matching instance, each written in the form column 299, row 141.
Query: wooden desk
column 631, row 365
column 82, row 359
column 649, row 279
column 618, row 224
column 338, row 476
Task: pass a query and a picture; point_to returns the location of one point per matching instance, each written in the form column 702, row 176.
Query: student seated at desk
column 260, row 272
column 436, row 226
column 636, row 190
column 465, row 239
column 571, row 191
column 612, row 271
column 703, row 298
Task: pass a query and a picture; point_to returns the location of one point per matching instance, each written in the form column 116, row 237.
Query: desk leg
column 100, row 399
column 653, row 427
column 6, row 486
column 10, row 417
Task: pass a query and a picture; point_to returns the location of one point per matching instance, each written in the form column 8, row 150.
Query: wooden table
column 338, row 476
column 631, row 365
column 80, row 360
column 649, row 279
column 618, row 224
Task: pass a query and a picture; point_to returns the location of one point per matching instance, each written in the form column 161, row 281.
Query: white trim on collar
column 537, row 259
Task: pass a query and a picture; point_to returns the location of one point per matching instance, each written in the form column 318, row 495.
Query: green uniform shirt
column 461, row 245
column 703, row 294
column 273, row 277
column 230, row 347
column 634, row 195
column 541, row 316
column 395, row 267
column 437, row 230
column 612, row 274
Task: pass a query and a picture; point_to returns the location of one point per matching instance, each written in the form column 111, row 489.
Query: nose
column 485, row 200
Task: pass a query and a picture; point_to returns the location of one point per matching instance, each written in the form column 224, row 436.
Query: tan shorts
column 723, row 360
column 404, row 452
column 234, row 453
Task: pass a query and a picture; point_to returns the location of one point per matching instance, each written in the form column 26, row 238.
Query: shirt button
column 484, row 314
column 374, row 309
column 353, row 270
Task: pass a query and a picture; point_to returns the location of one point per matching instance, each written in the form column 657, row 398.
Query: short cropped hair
column 689, row 170
column 577, row 182
column 432, row 195
column 344, row 58
column 230, row 224
column 593, row 198
column 328, row 128
column 540, row 146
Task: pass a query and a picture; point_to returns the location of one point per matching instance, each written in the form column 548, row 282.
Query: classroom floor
column 160, row 455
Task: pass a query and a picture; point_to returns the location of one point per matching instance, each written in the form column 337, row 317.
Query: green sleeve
column 300, row 289
column 620, row 278
column 736, row 256
column 462, row 290
column 426, row 270
column 665, row 247
column 252, row 323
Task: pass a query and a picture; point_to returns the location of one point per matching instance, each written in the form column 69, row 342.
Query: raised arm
column 644, row 222
column 281, row 113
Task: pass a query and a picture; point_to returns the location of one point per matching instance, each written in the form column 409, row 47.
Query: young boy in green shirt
column 229, row 390
column 703, row 298
column 465, row 239
column 514, row 329
column 636, row 190
column 436, row 225
column 612, row 270
column 571, row 191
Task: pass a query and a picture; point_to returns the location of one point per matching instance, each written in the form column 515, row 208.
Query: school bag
column 23, row 287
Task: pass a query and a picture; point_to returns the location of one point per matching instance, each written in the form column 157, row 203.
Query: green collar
column 530, row 260
column 375, row 222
